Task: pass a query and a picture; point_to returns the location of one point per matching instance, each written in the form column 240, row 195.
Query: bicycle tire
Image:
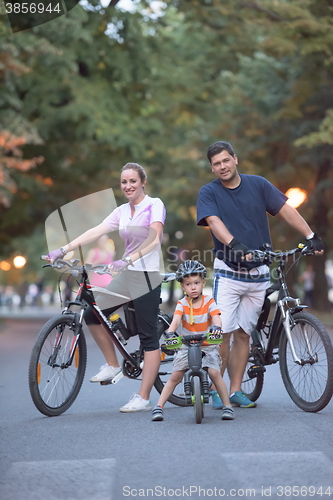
column 310, row 386
column 197, row 399
column 177, row 397
column 252, row 387
column 54, row 389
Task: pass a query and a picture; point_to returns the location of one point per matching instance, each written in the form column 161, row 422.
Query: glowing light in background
column 5, row 266
column 19, row 261
column 110, row 247
column 296, row 197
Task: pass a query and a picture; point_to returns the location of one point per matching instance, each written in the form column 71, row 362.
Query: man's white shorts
column 240, row 302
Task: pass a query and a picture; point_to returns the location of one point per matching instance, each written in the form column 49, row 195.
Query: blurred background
column 156, row 83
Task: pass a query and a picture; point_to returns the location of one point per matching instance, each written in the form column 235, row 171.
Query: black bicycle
column 196, row 380
column 59, row 356
column 295, row 339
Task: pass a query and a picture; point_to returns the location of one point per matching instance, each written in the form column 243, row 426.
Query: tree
column 275, row 90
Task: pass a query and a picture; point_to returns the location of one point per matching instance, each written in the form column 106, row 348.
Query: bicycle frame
column 282, row 318
column 195, row 366
column 84, row 298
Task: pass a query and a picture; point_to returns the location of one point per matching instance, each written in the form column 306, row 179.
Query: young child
column 196, row 312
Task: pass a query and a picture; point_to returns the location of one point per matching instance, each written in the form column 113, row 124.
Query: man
column 235, row 208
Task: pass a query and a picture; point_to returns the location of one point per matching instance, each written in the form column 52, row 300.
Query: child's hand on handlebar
column 169, row 335
column 216, row 329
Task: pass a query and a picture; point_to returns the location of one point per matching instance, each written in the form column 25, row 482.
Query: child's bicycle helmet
column 189, row 267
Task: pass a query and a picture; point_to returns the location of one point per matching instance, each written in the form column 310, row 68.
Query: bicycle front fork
column 202, row 374
column 287, row 321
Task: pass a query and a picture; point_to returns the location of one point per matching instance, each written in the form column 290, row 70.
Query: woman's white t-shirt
column 134, row 230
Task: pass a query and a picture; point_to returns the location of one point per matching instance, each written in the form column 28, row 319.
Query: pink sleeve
column 112, row 220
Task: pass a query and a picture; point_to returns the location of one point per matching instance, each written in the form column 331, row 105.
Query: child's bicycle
column 196, row 381
column 59, row 357
column 295, row 338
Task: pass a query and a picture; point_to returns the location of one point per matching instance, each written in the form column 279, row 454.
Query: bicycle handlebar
column 205, row 339
column 269, row 254
column 73, row 266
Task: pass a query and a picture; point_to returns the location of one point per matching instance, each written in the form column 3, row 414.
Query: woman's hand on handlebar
column 54, row 255
column 118, row 265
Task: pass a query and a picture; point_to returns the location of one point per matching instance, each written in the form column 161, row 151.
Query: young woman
column 140, row 224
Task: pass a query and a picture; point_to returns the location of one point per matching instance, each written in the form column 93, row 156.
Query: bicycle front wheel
column 197, row 399
column 309, row 384
column 54, row 379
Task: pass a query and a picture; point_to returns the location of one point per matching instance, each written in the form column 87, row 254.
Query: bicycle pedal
column 118, row 377
column 106, row 382
column 254, row 370
column 114, row 380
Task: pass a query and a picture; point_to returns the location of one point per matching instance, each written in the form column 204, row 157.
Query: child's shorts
column 212, row 359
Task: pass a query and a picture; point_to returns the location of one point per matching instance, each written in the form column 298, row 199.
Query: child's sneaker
column 227, row 413
column 136, row 403
column 106, row 372
column 216, row 400
column 157, row 413
column 238, row 398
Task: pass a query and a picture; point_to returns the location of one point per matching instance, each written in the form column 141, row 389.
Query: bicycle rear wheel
column 53, row 385
column 197, row 399
column 310, row 385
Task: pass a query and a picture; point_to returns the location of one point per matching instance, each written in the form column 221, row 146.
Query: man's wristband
column 63, row 251
column 310, row 236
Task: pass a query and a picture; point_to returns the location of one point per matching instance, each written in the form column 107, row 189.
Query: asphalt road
column 93, row 452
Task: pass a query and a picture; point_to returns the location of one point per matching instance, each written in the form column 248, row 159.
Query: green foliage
column 100, row 87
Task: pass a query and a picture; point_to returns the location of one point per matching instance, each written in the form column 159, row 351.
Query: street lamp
column 19, row 261
column 296, row 197
column 5, row 266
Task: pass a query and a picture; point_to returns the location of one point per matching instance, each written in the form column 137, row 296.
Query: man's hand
column 316, row 244
column 239, row 252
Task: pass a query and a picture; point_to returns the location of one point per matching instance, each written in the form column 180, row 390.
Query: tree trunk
column 320, row 225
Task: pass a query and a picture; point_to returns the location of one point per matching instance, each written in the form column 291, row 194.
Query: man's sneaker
column 238, row 398
column 216, row 400
column 136, row 403
column 157, row 413
column 106, row 372
column 227, row 413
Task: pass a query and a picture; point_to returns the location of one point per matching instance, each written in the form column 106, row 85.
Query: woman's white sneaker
column 106, row 372
column 136, row 403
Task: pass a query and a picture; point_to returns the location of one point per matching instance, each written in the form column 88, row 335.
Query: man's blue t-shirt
column 243, row 210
